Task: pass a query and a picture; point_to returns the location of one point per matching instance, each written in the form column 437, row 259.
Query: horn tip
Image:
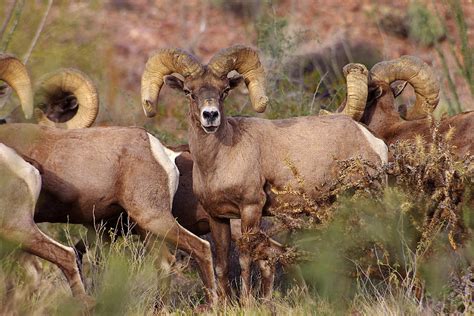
column 261, row 104
column 148, row 108
column 150, row 114
column 28, row 112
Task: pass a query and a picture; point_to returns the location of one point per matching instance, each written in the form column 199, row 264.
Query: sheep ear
column 375, row 92
column 174, row 82
column 398, row 87
column 71, row 103
column 3, row 90
column 235, row 81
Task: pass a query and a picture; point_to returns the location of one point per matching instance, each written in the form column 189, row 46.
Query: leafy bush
column 409, row 240
column 424, row 26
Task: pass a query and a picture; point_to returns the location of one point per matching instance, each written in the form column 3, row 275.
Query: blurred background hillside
column 304, row 44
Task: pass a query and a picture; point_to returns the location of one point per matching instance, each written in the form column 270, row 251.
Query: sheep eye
column 188, row 93
column 225, row 92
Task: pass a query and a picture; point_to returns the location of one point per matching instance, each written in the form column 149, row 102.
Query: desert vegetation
column 363, row 247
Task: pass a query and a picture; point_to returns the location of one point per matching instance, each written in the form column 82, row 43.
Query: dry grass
column 367, row 248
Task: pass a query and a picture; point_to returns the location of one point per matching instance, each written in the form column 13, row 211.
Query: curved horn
column 418, row 74
column 13, row 72
column 245, row 61
column 77, row 83
column 162, row 63
column 357, row 90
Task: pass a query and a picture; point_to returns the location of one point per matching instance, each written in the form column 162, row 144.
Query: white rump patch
column 22, row 169
column 172, row 154
column 376, row 144
column 166, row 158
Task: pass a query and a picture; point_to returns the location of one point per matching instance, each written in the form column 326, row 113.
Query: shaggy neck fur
column 205, row 147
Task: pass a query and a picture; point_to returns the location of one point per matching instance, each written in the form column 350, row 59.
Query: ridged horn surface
column 14, row 73
column 162, row 63
column 357, row 90
column 77, row 83
column 245, row 61
column 419, row 74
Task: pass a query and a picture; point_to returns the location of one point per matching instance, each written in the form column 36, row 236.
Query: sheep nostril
column 210, row 115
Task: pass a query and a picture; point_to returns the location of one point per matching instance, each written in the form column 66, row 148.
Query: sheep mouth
column 210, row 129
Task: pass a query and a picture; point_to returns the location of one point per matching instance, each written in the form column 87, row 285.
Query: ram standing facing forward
column 238, row 160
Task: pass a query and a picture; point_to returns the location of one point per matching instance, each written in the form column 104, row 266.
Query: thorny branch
column 425, row 171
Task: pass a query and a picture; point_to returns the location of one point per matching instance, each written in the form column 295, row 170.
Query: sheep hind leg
column 34, row 241
column 167, row 228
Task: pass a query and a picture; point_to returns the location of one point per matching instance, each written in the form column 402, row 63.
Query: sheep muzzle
column 210, row 119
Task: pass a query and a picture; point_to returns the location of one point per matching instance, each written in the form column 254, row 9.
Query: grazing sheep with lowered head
column 379, row 113
column 89, row 175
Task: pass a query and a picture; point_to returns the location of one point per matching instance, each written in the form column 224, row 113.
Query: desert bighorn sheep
column 237, row 160
column 61, row 107
column 20, row 181
column 382, row 117
column 92, row 174
column 70, row 99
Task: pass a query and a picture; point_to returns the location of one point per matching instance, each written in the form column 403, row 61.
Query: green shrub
column 424, row 26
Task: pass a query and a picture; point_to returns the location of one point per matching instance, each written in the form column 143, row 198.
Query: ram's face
column 62, row 108
column 206, row 95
